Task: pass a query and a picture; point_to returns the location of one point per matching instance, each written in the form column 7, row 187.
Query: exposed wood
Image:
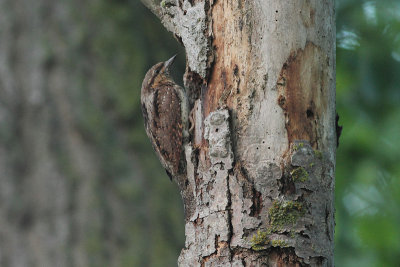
column 263, row 173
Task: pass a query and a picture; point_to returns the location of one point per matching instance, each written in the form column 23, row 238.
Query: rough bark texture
column 261, row 76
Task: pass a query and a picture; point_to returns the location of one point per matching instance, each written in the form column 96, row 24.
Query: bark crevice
column 264, row 171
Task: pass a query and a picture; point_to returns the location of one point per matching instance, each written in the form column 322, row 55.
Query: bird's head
column 158, row 74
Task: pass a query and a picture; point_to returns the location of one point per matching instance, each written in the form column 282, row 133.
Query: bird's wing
column 167, row 129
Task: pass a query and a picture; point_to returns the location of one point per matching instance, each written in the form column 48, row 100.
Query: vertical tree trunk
column 261, row 79
column 47, row 214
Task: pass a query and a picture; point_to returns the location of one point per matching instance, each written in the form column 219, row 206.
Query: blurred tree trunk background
column 77, row 174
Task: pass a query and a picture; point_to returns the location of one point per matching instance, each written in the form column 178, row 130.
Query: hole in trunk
column 310, row 114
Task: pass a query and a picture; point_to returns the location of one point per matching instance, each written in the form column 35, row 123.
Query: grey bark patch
column 189, row 23
column 267, row 180
column 217, row 133
column 303, row 154
column 212, row 198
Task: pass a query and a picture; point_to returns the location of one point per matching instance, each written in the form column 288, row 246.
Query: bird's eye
column 158, row 70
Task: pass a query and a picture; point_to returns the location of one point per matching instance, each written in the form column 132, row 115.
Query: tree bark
column 261, row 80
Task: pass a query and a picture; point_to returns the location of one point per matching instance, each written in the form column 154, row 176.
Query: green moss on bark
column 299, row 174
column 259, row 241
column 285, row 212
column 279, row 243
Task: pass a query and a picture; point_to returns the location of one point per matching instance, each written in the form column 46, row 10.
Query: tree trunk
column 47, row 214
column 260, row 165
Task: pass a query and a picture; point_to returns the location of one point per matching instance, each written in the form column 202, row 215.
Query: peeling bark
column 261, row 79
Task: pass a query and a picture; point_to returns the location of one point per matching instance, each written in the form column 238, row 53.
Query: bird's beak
column 169, row 62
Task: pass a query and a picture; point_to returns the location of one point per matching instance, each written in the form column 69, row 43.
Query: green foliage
column 368, row 97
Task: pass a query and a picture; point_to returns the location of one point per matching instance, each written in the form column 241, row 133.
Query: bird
column 165, row 112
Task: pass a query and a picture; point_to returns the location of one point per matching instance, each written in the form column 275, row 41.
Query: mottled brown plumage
column 164, row 107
